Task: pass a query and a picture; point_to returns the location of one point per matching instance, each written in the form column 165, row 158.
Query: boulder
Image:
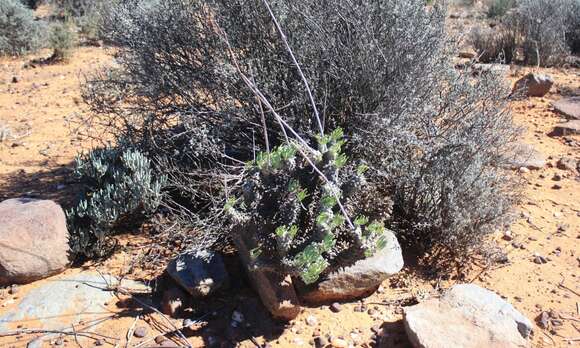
column 200, row 273
column 359, row 280
column 534, row 85
column 33, row 240
column 566, row 128
column 276, row 290
column 466, row 316
column 569, row 107
column 524, row 156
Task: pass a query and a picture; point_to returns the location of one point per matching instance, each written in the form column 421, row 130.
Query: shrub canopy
column 19, row 32
column 431, row 137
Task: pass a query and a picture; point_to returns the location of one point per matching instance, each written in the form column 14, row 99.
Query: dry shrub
column 432, row 138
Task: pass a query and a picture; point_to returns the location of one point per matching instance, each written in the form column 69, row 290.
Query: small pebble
column 187, row 322
column 140, row 332
column 320, row 342
column 338, row 343
column 335, row 307
column 311, row 320
column 540, row 260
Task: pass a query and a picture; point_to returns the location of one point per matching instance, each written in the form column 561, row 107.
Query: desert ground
column 38, row 104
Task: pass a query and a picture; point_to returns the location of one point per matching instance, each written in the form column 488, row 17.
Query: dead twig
column 130, row 332
column 76, row 336
column 569, row 318
column 550, row 337
column 173, row 331
column 61, row 332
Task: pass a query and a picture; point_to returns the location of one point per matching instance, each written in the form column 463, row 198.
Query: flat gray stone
column 466, row 316
column 360, row 279
column 567, row 128
column 65, row 300
column 569, row 107
column 497, row 69
column 524, row 156
column 200, row 273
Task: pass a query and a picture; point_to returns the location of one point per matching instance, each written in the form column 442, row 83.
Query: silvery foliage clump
column 20, row 33
column 296, row 217
column 86, row 14
column 432, row 137
column 119, row 186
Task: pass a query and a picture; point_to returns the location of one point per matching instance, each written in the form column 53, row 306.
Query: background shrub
column 19, row 32
column 87, row 15
column 432, row 148
column 494, row 44
column 542, row 26
column 498, row 8
column 62, row 40
column 120, row 189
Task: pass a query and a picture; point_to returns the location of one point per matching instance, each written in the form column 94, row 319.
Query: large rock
column 276, row 290
column 566, row 128
column 569, row 107
column 466, row 316
column 33, row 240
column 534, row 85
column 524, row 156
column 360, row 279
column 200, row 273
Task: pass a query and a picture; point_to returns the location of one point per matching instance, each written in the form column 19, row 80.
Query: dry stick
column 76, row 336
column 130, row 332
column 550, row 337
column 285, row 40
column 283, row 124
column 62, row 332
column 170, row 332
column 124, row 291
column 569, row 318
column 561, row 285
column 177, row 330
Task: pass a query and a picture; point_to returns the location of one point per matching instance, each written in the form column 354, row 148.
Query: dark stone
column 534, row 85
column 200, row 273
